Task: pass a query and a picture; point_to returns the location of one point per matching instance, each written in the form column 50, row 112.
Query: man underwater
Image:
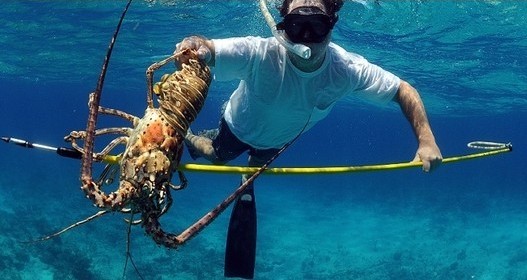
column 281, row 95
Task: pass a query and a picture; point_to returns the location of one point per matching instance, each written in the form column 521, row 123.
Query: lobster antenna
column 94, row 101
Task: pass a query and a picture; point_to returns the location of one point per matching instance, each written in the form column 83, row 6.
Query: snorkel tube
column 298, row 49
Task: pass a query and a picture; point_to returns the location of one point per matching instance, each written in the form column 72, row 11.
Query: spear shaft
column 61, row 151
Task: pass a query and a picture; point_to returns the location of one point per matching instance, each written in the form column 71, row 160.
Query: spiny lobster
column 154, row 146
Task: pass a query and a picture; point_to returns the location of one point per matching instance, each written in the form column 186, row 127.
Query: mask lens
column 306, row 28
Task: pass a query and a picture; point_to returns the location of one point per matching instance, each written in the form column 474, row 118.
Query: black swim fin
column 240, row 252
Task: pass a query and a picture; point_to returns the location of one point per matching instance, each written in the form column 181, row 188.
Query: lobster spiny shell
column 182, row 94
column 153, row 152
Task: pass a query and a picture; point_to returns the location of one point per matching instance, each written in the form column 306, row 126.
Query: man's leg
column 200, row 146
column 217, row 145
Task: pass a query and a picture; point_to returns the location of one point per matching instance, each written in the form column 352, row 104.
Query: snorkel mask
column 306, row 25
column 298, row 49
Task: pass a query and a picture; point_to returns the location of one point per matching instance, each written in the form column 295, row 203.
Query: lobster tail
column 182, row 94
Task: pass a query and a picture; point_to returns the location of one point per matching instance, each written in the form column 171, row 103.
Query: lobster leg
column 164, row 202
column 153, row 227
column 150, row 77
column 114, row 112
column 74, row 135
column 111, row 146
column 109, row 111
column 107, row 176
column 167, row 202
column 182, row 185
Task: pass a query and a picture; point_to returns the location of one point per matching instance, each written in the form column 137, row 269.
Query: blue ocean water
column 467, row 220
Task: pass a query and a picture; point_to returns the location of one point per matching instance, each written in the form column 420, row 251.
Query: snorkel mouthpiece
column 298, row 49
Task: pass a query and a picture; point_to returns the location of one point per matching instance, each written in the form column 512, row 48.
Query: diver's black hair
column 332, row 6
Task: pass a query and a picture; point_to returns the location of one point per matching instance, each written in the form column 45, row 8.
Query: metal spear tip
column 6, row 139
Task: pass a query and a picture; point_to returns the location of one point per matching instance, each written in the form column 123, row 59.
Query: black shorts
column 228, row 147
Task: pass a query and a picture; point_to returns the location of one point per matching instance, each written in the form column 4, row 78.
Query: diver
column 283, row 93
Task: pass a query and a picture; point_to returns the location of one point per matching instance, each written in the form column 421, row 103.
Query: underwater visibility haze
column 466, row 220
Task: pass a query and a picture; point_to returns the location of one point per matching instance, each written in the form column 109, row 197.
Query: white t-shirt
column 275, row 100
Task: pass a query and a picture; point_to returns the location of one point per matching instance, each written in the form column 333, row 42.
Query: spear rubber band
column 499, row 148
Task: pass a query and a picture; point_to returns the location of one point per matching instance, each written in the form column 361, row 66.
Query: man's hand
column 430, row 155
column 412, row 106
column 203, row 47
